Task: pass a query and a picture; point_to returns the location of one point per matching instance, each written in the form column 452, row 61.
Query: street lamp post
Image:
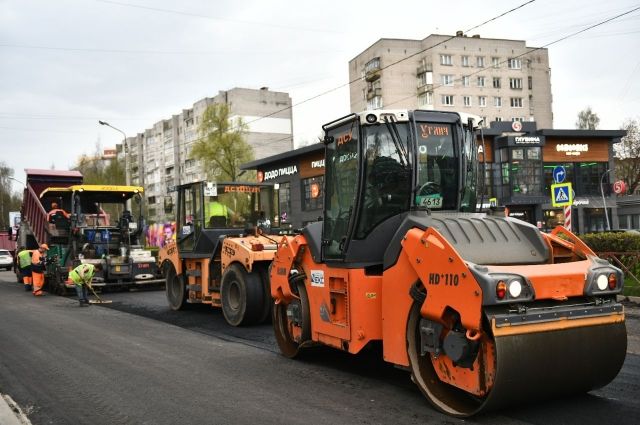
column 604, row 202
column 126, row 151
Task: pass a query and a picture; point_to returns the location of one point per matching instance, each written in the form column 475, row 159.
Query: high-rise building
column 499, row 80
column 160, row 157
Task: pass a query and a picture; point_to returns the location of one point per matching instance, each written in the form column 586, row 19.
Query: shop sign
column 278, row 172
column 619, row 187
column 317, row 164
column 581, row 201
column 525, row 140
column 516, row 126
column 572, row 149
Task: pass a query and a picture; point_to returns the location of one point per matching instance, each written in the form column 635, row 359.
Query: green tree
column 587, row 119
column 222, row 146
column 627, row 156
column 8, row 201
column 96, row 170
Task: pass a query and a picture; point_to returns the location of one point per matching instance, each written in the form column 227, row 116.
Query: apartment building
column 160, row 156
column 499, row 80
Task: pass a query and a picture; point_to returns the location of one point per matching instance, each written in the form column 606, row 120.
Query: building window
column 447, row 80
column 445, row 60
column 284, row 195
column 312, row 193
column 480, row 61
column 447, row 99
column 482, row 100
column 466, row 100
column 426, row 78
column 515, row 83
column 496, row 82
column 497, row 102
column 530, row 79
column 495, row 62
column 465, row 80
column 516, row 102
column 513, row 119
column 480, row 81
column 514, row 63
column 498, row 119
column 151, row 200
column 375, row 102
column 465, row 60
column 425, row 99
column 526, row 171
column 372, row 65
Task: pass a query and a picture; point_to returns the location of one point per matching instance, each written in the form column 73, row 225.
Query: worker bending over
column 81, row 277
column 24, row 264
column 38, row 268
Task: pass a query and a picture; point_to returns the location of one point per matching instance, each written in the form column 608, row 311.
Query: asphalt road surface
column 136, row 362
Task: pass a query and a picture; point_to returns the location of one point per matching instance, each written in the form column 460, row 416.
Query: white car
column 6, row 259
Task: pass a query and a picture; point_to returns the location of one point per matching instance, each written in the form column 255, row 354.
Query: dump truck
column 86, row 224
column 483, row 310
column 225, row 241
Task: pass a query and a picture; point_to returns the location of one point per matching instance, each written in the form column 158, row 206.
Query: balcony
column 425, row 67
column 373, row 93
column 372, row 74
column 424, row 88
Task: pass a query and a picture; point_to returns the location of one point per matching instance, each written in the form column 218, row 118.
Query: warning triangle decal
column 562, row 196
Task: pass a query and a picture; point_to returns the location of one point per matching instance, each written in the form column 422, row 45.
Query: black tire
column 175, row 288
column 267, row 305
column 282, row 326
column 242, row 296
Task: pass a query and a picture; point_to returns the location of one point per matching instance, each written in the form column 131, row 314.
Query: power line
column 215, row 18
column 391, row 64
column 534, row 49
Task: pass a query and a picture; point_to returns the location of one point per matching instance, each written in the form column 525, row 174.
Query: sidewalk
column 10, row 412
column 631, row 306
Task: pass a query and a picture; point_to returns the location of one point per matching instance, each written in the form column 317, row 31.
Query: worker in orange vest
column 38, row 268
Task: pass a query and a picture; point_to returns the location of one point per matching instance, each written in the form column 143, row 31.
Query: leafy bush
column 621, row 243
column 613, row 241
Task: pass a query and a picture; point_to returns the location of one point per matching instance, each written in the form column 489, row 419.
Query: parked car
column 6, row 259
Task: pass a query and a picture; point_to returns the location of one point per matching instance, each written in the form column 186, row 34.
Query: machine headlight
column 515, row 288
column 602, row 282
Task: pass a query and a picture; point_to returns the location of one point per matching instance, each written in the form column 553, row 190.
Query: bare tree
column 587, row 119
column 627, row 155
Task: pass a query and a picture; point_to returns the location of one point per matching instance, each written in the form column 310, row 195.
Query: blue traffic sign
column 559, row 174
column 561, row 194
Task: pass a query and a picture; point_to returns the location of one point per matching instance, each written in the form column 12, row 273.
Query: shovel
column 98, row 300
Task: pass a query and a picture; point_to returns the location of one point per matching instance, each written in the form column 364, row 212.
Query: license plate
column 432, row 201
column 143, row 266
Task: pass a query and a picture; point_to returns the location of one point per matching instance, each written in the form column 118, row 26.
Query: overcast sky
column 67, row 63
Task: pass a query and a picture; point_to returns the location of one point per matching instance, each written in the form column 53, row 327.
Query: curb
column 629, row 298
column 10, row 412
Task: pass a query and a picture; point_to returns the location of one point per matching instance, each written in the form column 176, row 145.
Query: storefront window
column 548, row 175
column 285, row 202
column 594, row 220
column 588, row 178
column 553, row 218
column 525, row 171
column 312, row 195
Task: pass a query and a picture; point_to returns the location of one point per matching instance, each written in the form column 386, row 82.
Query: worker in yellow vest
column 81, row 277
column 24, row 264
column 38, row 268
column 218, row 213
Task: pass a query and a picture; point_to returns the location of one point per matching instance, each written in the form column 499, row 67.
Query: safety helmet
column 44, row 246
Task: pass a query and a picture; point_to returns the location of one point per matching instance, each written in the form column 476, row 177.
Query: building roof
column 316, row 147
column 584, row 134
column 54, row 173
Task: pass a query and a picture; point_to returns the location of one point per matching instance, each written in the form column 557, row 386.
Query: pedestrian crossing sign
column 561, row 194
